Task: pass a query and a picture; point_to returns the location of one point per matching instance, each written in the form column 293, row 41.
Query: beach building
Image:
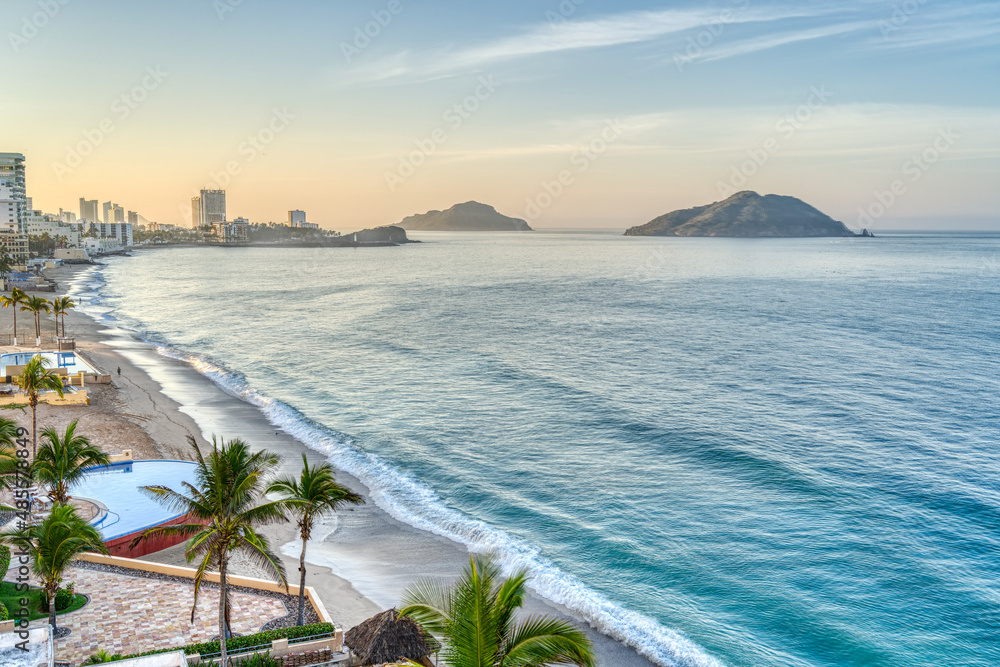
column 213, row 206
column 15, row 244
column 113, row 212
column 195, row 211
column 236, row 232
column 296, row 218
column 12, row 175
column 8, row 208
column 120, row 232
column 88, row 210
column 95, row 246
column 67, row 216
column 39, row 223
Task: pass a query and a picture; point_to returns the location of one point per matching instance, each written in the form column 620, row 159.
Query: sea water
column 747, row 452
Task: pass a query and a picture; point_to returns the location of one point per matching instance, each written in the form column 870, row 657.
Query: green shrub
column 4, row 613
column 64, row 598
column 4, row 560
column 102, row 657
column 247, row 641
column 256, row 660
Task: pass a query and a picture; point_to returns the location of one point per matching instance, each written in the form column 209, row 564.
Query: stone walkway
column 135, row 614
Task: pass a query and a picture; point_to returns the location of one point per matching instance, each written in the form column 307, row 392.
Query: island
column 746, row 214
column 468, row 217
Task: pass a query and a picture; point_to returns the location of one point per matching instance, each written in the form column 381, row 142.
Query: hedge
column 248, row 641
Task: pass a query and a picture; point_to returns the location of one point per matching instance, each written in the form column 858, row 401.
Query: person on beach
column 119, row 371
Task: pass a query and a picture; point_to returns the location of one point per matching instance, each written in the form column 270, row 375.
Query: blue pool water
column 67, row 360
column 117, row 486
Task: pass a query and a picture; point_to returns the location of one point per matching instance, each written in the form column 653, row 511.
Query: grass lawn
column 10, row 597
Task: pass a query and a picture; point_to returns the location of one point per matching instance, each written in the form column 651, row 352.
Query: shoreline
column 359, row 561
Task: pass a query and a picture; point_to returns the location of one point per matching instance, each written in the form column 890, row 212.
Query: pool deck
column 132, row 614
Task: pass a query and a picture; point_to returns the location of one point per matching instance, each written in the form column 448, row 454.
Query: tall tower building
column 107, row 209
column 12, row 175
column 117, row 213
column 213, row 206
column 296, row 218
column 196, row 211
column 88, row 210
column 133, row 218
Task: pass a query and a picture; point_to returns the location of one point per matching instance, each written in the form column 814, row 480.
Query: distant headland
column 468, row 217
column 746, row 214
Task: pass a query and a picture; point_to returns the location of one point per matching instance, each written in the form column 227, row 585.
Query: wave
column 409, row 500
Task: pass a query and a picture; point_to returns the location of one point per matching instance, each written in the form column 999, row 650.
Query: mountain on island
column 468, row 217
column 745, row 214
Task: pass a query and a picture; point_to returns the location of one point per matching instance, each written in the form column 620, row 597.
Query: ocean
column 718, row 451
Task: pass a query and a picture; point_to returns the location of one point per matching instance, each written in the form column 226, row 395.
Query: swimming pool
column 68, row 360
column 117, row 488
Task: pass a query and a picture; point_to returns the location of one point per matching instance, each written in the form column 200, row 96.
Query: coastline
column 359, row 561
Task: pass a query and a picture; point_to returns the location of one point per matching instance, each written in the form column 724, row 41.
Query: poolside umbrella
column 389, row 637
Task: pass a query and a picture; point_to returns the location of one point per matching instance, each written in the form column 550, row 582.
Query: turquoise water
column 782, row 450
column 117, row 487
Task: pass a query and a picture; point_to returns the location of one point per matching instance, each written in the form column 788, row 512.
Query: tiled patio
column 130, row 614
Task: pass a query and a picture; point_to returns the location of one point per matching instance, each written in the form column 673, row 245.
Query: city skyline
column 363, row 115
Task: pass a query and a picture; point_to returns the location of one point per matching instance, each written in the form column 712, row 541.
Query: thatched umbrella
column 389, row 637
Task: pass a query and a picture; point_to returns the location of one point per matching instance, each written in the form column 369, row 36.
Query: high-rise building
column 107, row 208
column 213, row 206
column 296, row 218
column 12, row 175
column 117, row 213
column 133, row 218
column 67, row 216
column 119, row 232
column 8, row 208
column 195, row 211
column 88, row 210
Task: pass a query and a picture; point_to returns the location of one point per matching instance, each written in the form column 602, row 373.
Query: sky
column 568, row 113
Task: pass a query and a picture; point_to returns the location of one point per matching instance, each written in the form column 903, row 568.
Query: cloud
column 772, row 41
column 615, row 30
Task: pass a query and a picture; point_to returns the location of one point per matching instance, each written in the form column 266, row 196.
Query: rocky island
column 746, row 214
column 468, row 217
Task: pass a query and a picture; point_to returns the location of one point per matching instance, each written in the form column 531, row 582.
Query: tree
column 6, row 266
column 36, row 305
column 8, row 452
column 61, row 306
column 34, row 379
column 225, row 508
column 314, row 495
column 52, row 545
column 15, row 300
column 474, row 620
column 62, row 461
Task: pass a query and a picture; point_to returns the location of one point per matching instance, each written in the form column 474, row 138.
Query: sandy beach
column 360, row 560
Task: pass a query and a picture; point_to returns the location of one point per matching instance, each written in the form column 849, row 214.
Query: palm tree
column 52, row 546
column 34, row 379
column 225, row 507
column 8, row 451
column 62, row 461
column 36, row 305
column 15, row 300
column 474, row 619
column 315, row 494
column 6, row 265
column 60, row 306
